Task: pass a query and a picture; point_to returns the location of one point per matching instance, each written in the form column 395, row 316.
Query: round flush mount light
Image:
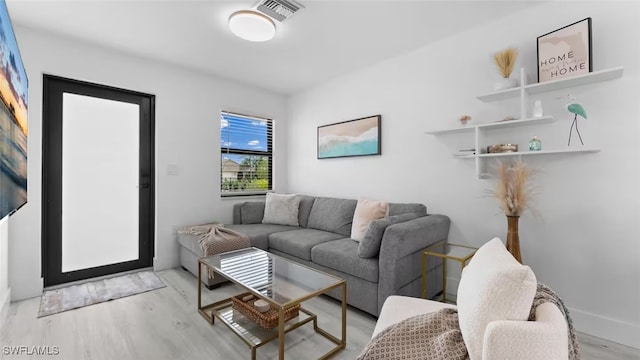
column 251, row 25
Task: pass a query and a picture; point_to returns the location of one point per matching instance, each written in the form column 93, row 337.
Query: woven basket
column 267, row 319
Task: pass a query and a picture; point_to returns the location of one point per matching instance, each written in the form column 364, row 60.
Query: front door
column 97, row 181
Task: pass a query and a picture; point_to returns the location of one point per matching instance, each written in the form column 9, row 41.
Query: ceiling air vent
column 278, row 9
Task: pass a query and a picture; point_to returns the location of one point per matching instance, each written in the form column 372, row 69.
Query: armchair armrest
column 401, row 250
column 543, row 339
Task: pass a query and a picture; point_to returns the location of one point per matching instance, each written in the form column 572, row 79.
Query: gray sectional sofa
column 322, row 241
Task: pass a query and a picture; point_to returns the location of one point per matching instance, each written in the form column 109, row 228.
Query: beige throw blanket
column 216, row 239
column 437, row 336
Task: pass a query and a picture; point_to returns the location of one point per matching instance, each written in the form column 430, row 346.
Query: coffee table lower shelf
column 253, row 334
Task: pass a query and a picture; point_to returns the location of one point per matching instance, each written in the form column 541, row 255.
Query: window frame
column 232, row 151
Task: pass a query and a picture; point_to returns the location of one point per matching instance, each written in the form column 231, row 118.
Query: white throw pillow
column 494, row 286
column 366, row 212
column 281, row 209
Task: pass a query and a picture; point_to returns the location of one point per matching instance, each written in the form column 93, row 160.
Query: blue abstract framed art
column 359, row 137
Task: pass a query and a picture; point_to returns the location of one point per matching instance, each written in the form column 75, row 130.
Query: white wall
column 187, row 135
column 585, row 246
column 5, row 291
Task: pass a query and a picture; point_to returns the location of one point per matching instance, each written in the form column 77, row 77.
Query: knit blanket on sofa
column 216, row 239
column 437, row 336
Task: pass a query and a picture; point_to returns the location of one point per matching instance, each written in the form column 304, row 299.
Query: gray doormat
column 77, row 296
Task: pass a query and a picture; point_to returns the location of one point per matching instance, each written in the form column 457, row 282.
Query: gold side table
column 446, row 251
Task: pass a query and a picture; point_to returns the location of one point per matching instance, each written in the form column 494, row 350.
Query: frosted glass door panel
column 100, row 177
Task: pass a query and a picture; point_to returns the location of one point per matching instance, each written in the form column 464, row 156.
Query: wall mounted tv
column 13, row 120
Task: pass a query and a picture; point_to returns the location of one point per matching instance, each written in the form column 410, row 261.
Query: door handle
column 143, row 186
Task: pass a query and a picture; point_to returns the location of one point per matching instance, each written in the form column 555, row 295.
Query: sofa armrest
column 400, row 257
column 543, row 339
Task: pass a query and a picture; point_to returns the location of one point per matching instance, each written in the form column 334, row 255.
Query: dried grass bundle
column 514, row 189
column 505, row 61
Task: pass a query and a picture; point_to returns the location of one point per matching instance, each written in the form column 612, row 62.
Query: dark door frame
column 51, row 232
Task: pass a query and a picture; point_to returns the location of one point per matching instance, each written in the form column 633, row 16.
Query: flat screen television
column 13, row 120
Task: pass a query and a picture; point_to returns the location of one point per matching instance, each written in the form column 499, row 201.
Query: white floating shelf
column 509, row 123
column 589, row 78
column 493, row 125
column 525, row 153
column 500, row 95
column 469, row 128
column 592, row 77
column 543, row 152
column 522, row 92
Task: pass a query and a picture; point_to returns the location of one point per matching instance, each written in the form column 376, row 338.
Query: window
column 246, row 154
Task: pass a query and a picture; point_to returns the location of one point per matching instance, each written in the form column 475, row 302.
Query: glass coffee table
column 282, row 283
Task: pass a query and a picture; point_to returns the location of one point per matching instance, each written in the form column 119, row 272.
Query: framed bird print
column 565, row 52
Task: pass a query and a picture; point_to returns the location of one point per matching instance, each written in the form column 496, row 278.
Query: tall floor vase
column 513, row 239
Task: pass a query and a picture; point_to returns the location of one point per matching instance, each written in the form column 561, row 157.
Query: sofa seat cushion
column 259, row 233
column 299, row 242
column 342, row 255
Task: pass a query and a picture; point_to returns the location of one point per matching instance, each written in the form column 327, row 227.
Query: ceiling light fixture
column 251, row 25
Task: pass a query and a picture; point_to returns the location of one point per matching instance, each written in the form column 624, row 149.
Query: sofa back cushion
column 250, row 212
column 404, row 208
column 494, row 286
column 306, row 202
column 333, row 215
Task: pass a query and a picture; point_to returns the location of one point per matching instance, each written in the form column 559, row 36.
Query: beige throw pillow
column 366, row 212
column 281, row 209
column 494, row 286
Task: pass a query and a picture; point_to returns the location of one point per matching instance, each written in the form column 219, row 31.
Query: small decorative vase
column 535, row 144
column 513, row 239
column 505, row 83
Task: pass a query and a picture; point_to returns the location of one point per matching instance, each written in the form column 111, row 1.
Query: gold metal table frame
column 223, row 311
column 433, row 251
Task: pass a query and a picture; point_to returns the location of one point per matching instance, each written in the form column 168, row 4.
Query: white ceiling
column 323, row 41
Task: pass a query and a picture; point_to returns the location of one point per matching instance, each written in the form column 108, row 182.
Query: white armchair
column 495, row 297
column 543, row 339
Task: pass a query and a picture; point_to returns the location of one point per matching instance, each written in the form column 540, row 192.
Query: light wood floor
column 164, row 324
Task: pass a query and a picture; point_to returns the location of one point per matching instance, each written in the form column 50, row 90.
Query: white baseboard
column 606, row 328
column 4, row 305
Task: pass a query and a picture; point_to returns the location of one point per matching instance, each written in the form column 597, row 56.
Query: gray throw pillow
column 281, row 209
column 370, row 246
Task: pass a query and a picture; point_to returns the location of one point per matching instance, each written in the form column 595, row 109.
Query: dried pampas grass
column 514, row 190
column 505, row 61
